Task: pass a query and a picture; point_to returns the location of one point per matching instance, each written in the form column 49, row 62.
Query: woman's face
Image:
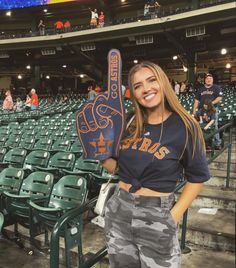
column 205, row 106
column 146, row 89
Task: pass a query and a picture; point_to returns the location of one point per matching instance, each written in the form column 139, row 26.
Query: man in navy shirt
column 211, row 93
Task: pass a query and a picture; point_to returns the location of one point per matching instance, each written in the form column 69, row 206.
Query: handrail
column 54, row 245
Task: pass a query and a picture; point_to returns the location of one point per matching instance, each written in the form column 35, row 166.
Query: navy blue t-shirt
column 207, row 116
column 158, row 166
column 208, row 94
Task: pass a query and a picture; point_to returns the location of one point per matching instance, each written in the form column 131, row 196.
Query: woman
column 207, row 115
column 141, row 221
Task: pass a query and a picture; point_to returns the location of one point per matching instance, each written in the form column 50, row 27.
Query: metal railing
column 163, row 12
column 54, row 255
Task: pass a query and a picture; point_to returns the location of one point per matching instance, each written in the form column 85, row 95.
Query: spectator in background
column 177, row 88
column 207, row 115
column 127, row 93
column 211, row 93
column 8, row 102
column 28, row 103
column 94, row 18
column 34, row 100
column 146, row 9
column 59, row 26
column 41, row 27
column 101, row 20
column 182, row 87
column 67, row 26
column 18, row 107
column 98, row 89
column 91, row 93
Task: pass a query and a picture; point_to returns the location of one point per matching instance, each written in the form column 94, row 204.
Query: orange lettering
column 125, row 145
column 162, row 153
column 136, row 143
column 146, row 143
column 154, row 148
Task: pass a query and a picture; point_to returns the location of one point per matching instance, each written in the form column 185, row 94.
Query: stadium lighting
column 45, row 10
column 223, row 51
column 135, row 61
column 19, row 76
column 122, row 1
column 185, row 69
column 175, row 57
column 64, row 66
column 81, row 75
column 228, row 65
column 8, row 13
column 28, row 67
column 47, row 77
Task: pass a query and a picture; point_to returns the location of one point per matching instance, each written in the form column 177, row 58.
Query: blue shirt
column 208, row 94
column 158, row 166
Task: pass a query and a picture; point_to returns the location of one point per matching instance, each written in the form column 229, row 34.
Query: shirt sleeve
column 218, row 92
column 195, row 166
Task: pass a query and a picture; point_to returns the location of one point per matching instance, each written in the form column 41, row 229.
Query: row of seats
column 37, row 202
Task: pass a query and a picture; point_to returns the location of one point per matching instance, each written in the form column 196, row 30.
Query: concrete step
column 211, row 231
column 207, row 258
column 224, row 157
column 220, row 165
column 215, row 197
column 218, row 178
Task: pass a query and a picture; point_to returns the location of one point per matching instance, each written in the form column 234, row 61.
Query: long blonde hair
column 170, row 102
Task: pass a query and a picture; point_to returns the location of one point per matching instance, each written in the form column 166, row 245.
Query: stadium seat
column 60, row 145
column 37, row 185
column 27, row 143
column 14, row 157
column 43, row 144
column 68, row 193
column 35, row 159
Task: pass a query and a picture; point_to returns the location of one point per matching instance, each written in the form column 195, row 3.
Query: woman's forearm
column 189, row 193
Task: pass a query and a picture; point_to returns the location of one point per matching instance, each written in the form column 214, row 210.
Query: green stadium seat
column 35, row 159
column 37, row 185
column 61, row 145
column 14, row 157
column 43, row 144
column 68, row 193
column 27, row 143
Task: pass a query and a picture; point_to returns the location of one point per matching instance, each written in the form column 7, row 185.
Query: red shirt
column 101, row 18
column 59, row 24
column 34, row 100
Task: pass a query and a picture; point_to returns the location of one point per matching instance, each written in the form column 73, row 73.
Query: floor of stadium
column 10, row 252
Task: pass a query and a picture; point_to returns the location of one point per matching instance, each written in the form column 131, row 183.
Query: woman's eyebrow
column 148, row 78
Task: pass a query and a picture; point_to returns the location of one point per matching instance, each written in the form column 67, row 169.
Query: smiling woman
column 163, row 140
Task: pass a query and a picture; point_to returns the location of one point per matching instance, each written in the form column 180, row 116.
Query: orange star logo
column 101, row 145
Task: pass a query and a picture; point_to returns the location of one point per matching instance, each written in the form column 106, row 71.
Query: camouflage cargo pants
column 140, row 232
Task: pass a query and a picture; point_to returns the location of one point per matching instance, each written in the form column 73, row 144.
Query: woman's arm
column 110, row 165
column 209, row 124
column 189, row 193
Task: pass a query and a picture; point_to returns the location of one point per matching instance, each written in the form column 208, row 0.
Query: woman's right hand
column 110, row 165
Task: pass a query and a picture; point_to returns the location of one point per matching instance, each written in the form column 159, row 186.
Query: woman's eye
column 137, row 87
column 153, row 80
